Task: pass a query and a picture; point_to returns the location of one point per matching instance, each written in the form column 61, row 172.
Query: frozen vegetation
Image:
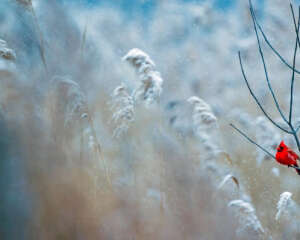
column 116, row 126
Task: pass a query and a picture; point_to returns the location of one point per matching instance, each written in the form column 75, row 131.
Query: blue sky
column 145, row 7
column 147, row 4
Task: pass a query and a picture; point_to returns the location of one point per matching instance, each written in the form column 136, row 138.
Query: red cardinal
column 287, row 156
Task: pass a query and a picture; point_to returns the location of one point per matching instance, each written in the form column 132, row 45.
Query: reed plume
column 283, row 203
column 247, row 217
column 150, row 86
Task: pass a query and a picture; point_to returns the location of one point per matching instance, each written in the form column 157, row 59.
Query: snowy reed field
column 116, row 126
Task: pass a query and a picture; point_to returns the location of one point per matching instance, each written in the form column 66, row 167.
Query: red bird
column 287, row 156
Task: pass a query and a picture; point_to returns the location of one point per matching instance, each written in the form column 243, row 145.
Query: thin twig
column 289, row 122
column 270, row 45
column 294, row 63
column 252, row 141
column 294, row 21
column 294, row 132
column 292, row 129
column 256, row 100
column 265, row 68
column 256, row 144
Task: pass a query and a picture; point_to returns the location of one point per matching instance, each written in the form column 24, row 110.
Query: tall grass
column 109, row 144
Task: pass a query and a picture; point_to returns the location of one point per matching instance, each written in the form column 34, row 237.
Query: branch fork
column 292, row 130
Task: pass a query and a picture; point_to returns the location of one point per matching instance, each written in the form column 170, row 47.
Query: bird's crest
column 281, row 146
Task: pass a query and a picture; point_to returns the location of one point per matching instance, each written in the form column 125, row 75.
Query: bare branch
column 270, row 45
column 294, row 63
column 256, row 144
column 253, row 142
column 292, row 131
column 256, row 100
column 265, row 68
column 294, row 21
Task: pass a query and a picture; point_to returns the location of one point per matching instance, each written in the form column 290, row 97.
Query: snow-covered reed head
column 148, row 90
column 139, row 60
column 202, row 113
column 282, row 206
column 247, row 217
column 151, row 82
column 203, row 117
column 205, row 122
column 227, row 178
column 7, row 57
column 123, row 107
column 5, row 52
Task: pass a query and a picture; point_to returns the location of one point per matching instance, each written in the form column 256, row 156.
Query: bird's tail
column 297, row 169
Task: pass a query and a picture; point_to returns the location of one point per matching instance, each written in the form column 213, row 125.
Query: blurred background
column 95, row 145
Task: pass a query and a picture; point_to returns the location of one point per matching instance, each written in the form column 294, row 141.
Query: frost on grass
column 147, row 91
column 205, row 123
column 5, row 52
column 203, row 116
column 7, row 57
column 72, row 99
column 267, row 136
column 248, row 221
column 150, row 86
column 123, row 108
column 283, row 203
column 227, row 178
